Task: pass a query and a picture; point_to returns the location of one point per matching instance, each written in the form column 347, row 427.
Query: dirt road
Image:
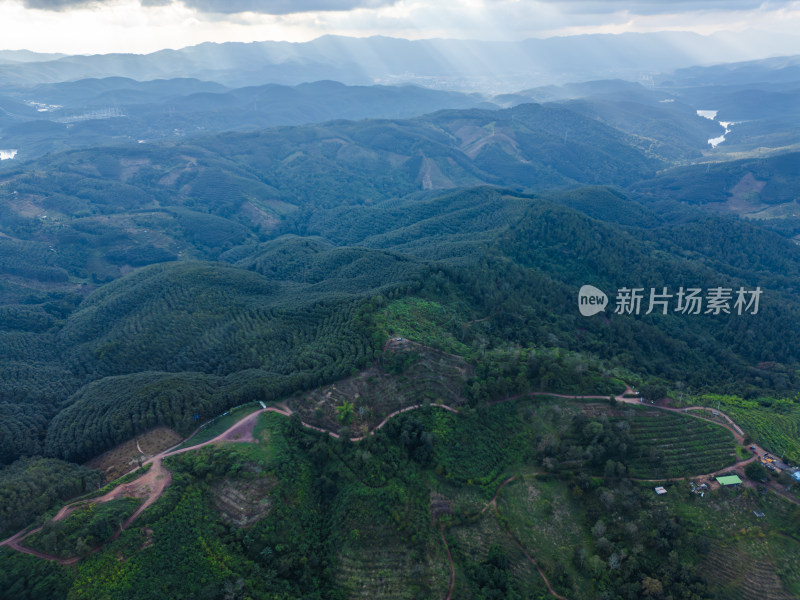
column 151, row 485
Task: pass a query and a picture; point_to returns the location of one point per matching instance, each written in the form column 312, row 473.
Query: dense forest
column 296, row 312
column 164, row 284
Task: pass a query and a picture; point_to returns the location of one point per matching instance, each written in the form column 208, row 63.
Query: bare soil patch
column 258, row 216
column 120, row 460
column 242, row 502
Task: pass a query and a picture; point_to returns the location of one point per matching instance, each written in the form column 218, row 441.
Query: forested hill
column 295, row 312
column 115, row 110
column 189, row 278
column 763, row 189
column 162, row 284
column 91, row 215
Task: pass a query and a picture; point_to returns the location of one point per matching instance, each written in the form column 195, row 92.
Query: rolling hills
column 162, row 284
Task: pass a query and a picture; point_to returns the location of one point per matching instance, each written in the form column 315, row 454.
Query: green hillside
column 337, row 518
column 353, row 270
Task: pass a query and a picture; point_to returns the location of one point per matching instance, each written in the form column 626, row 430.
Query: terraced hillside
column 378, row 554
column 673, row 445
column 774, row 422
column 479, row 551
column 742, row 578
column 742, row 555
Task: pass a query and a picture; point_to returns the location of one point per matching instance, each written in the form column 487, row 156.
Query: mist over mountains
column 447, row 64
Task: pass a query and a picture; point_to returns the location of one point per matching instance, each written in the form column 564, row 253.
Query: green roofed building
column 729, row 480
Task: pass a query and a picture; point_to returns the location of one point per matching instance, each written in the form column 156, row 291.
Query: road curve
column 154, row 482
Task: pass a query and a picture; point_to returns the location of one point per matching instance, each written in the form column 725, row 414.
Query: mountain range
column 193, row 236
column 449, row 64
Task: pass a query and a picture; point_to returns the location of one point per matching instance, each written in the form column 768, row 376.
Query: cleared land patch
column 242, row 502
column 122, row 459
column 408, row 374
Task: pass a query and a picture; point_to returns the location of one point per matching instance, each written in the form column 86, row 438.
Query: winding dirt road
column 379, row 425
column 151, row 485
column 452, row 565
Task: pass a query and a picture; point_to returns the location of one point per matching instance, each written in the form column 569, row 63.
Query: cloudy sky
column 101, row 26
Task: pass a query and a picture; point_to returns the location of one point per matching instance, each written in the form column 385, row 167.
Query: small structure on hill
column 729, row 480
column 660, row 490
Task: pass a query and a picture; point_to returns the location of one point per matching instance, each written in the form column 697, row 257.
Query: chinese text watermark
column 687, row 301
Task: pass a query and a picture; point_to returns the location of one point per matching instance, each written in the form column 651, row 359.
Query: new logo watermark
column 591, row 300
column 686, row 301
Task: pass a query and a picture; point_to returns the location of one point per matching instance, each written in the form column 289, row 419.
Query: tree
column 345, row 412
column 652, row 587
column 82, row 547
column 755, row 471
column 592, row 431
column 653, row 391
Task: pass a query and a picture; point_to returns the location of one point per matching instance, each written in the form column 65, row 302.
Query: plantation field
column 774, row 423
column 478, row 549
column 383, row 541
column 746, row 570
column 425, row 321
column 673, row 445
column 481, row 449
column 541, row 514
column 742, row 556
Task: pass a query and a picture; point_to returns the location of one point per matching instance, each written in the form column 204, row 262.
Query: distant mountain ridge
column 89, row 112
column 456, row 64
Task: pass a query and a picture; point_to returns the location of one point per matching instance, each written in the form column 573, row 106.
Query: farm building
column 729, row 480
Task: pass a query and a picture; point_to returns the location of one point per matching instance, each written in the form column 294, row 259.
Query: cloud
column 657, row 7
column 282, row 7
column 565, row 7
column 59, row 5
column 224, row 7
